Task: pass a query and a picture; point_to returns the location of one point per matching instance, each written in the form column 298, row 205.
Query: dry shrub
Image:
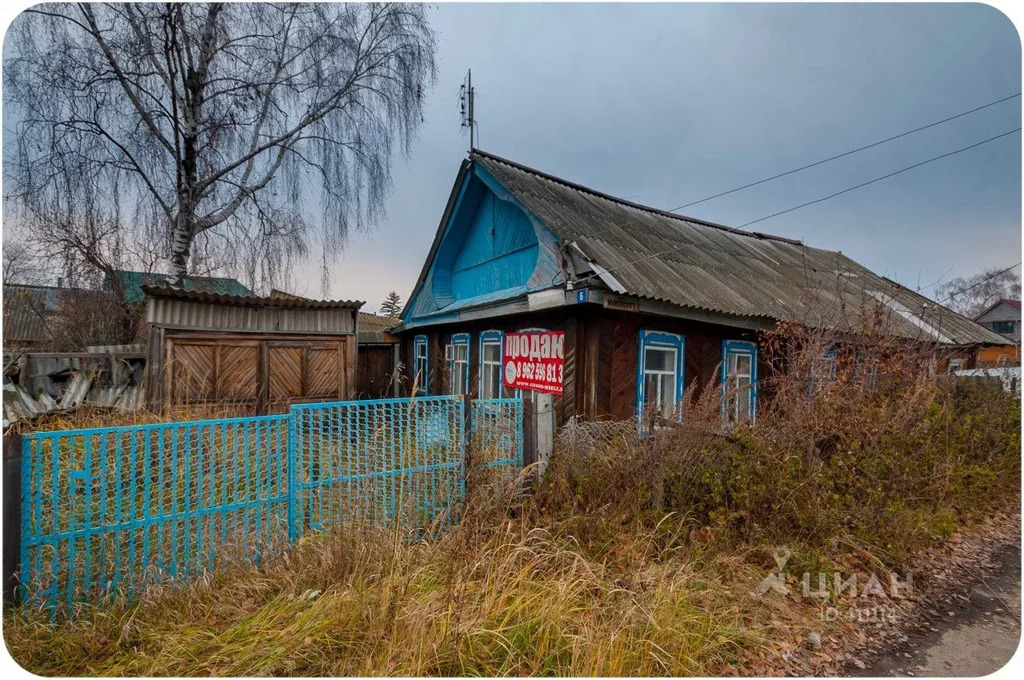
column 873, row 448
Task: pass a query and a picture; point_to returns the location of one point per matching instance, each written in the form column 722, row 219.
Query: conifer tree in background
column 392, row 305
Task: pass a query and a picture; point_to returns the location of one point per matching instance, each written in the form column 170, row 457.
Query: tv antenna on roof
column 467, row 95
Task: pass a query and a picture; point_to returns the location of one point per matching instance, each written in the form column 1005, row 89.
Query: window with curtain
column 421, row 364
column 490, row 364
column 739, row 381
column 458, row 365
column 659, row 374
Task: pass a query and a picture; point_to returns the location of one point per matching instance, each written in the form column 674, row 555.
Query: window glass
column 660, row 360
column 739, row 386
column 659, row 391
column 421, row 366
column 492, row 351
column 490, row 369
column 459, row 366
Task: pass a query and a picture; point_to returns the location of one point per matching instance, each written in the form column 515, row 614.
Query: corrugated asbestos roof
column 249, row 300
column 705, row 266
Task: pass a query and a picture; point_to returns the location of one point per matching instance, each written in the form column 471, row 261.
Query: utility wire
column 819, row 200
column 847, row 153
column 975, row 285
column 879, row 179
column 817, row 163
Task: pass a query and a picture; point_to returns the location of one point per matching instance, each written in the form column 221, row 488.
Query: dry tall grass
column 634, row 556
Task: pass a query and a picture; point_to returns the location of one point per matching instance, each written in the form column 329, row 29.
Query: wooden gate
column 258, row 375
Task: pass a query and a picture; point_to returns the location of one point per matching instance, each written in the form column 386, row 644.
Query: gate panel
column 238, row 372
column 119, row 508
column 284, row 372
column 372, row 462
column 324, row 372
column 192, row 372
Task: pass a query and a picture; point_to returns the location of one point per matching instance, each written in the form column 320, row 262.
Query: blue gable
column 489, row 251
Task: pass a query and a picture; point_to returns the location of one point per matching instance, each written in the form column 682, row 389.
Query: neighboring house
column 38, row 317
column 650, row 302
column 1003, row 317
column 134, row 281
column 28, row 313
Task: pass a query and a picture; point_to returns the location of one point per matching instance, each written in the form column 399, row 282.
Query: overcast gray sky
column 664, row 104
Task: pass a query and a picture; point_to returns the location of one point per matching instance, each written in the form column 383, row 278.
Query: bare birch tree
column 213, row 135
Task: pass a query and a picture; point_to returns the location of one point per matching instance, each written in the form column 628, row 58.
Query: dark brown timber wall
column 374, row 372
column 600, row 355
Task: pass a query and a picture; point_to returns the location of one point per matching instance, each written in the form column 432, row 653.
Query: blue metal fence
column 113, row 509
column 378, row 462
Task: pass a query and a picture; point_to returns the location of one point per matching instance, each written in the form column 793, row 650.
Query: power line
column 821, row 162
column 975, row 285
column 819, row 200
column 847, row 153
column 879, row 179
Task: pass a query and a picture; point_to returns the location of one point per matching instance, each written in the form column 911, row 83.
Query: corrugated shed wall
column 211, row 316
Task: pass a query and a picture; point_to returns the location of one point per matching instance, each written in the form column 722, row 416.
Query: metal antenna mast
column 467, row 95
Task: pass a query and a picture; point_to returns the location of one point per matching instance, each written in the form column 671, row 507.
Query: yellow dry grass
column 493, row 597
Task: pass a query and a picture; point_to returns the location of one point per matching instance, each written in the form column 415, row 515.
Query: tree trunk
column 181, row 244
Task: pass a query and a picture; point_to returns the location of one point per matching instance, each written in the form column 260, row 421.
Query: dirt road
column 971, row 636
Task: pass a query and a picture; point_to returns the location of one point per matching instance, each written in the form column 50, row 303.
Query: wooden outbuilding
column 254, row 354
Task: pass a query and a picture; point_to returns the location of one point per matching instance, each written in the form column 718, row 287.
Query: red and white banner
column 533, row 361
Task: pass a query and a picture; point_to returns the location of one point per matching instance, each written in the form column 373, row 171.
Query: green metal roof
column 134, row 281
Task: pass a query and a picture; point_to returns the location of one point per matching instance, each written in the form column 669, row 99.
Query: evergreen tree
column 392, row 305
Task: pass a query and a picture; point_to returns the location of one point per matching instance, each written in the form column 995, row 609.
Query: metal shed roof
column 701, row 265
column 294, row 302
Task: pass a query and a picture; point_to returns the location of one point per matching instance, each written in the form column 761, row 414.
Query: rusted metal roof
column 705, row 266
column 375, row 330
column 291, row 301
column 375, row 322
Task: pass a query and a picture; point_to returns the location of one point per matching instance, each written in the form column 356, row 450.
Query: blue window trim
column 490, row 336
column 647, row 339
column 740, row 347
column 460, row 339
column 417, row 342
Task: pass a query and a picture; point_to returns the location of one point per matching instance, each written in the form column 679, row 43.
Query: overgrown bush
column 861, row 442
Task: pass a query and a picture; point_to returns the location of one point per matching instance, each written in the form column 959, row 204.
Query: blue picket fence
column 114, row 509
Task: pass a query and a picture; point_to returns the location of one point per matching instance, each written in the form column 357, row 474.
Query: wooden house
column 650, row 301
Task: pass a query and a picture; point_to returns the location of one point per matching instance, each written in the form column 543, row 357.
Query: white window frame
column 660, row 340
column 731, row 348
column 420, row 343
column 457, row 340
column 823, row 370
column 490, row 338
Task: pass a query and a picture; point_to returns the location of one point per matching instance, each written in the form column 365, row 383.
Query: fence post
column 12, row 517
column 293, row 442
column 544, row 431
column 467, row 439
column 529, row 433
